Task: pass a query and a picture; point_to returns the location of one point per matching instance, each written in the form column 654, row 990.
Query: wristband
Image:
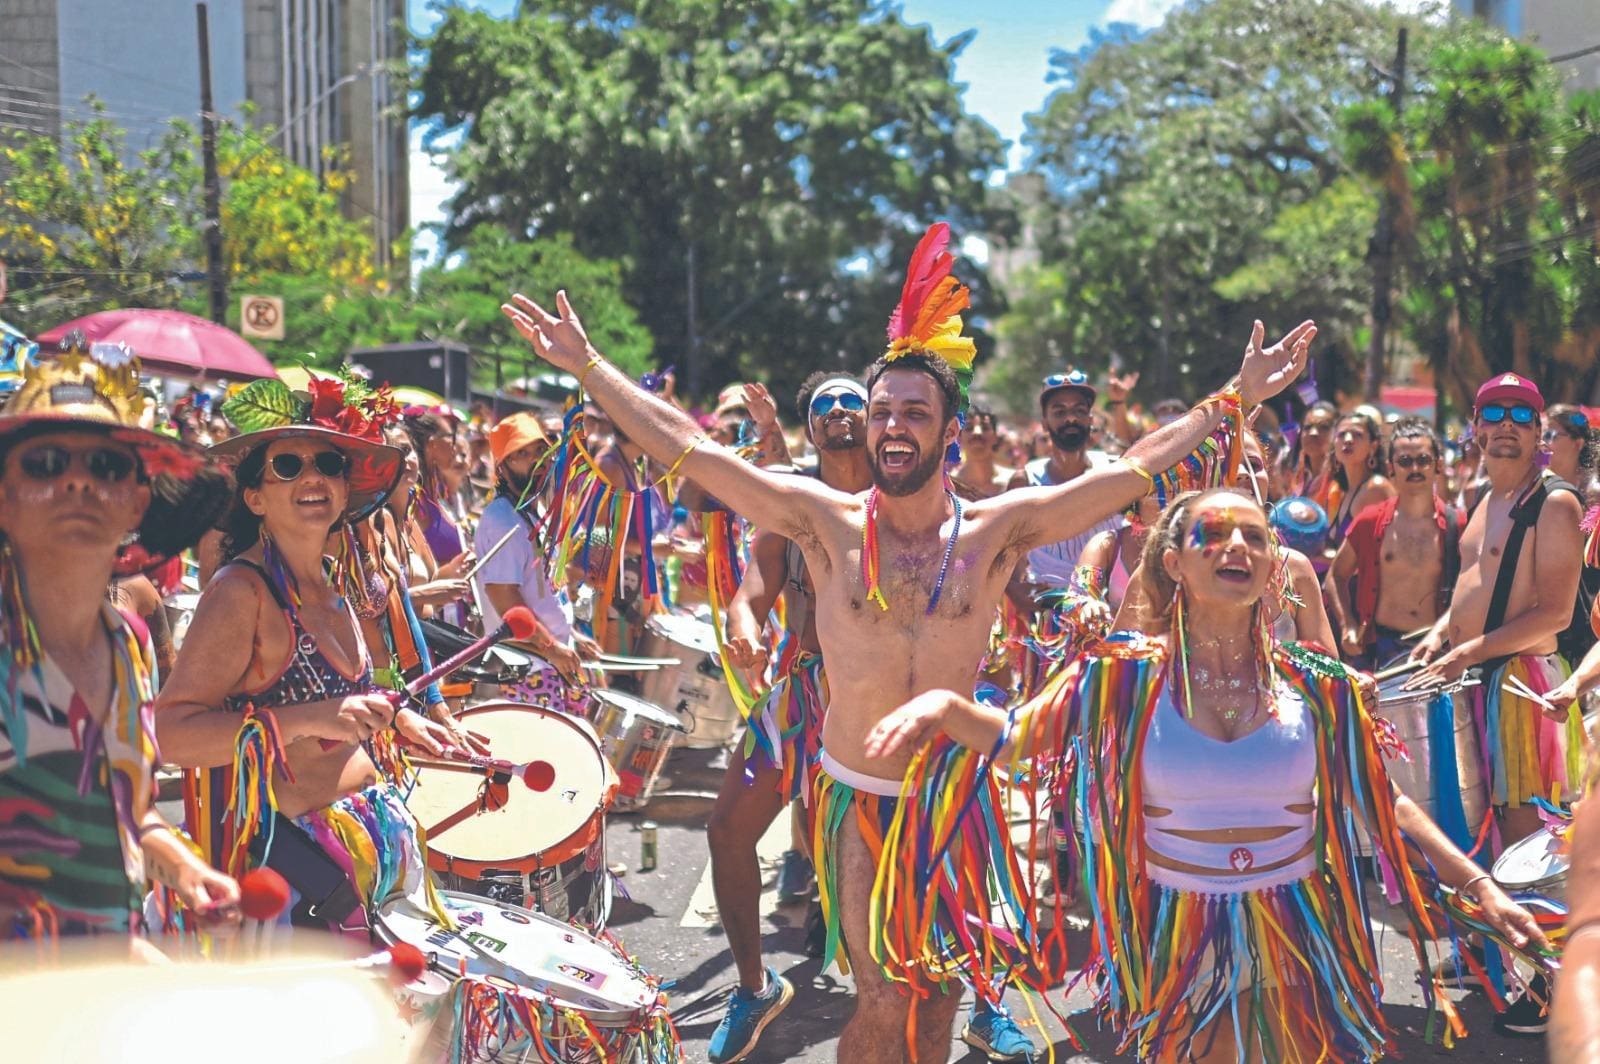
column 697, row 441
column 1462, row 889
column 583, row 374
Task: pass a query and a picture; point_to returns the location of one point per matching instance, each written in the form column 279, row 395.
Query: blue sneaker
column 796, row 877
column 748, row 1015
column 993, row 1032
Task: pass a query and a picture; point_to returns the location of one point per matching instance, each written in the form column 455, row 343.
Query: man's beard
column 516, row 488
column 906, row 482
column 1070, row 436
column 845, row 441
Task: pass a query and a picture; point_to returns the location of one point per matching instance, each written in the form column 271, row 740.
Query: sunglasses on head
column 1521, row 413
column 1076, row 378
column 822, row 405
column 105, row 464
column 289, row 466
column 1413, row 461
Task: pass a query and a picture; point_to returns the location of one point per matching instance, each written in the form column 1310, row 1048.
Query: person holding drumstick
column 85, row 495
column 1220, row 768
column 273, row 704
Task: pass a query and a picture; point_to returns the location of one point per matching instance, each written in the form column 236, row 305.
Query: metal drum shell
column 1409, row 715
column 695, row 689
column 637, row 736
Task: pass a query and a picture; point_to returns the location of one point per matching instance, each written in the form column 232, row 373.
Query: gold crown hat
column 95, row 388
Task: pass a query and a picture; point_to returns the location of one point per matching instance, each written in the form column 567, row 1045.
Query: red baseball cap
column 1509, row 386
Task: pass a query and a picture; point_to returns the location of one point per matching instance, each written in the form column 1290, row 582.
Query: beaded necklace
column 869, row 552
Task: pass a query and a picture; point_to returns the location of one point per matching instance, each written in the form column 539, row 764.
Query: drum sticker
column 442, row 937
column 470, row 917
column 515, row 917
column 644, row 760
column 592, row 980
column 483, row 941
column 1242, row 859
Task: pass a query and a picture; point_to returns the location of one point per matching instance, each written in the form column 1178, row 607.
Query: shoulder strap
column 1523, row 517
column 265, row 579
column 1452, row 552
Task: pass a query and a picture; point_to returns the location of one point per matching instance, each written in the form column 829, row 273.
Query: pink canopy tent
column 170, row 342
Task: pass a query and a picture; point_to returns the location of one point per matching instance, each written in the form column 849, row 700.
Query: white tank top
column 1248, row 783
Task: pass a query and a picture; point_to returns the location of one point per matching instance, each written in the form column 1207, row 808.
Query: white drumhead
column 685, row 630
column 540, row 957
column 183, row 600
column 530, row 821
column 1528, row 863
column 632, row 706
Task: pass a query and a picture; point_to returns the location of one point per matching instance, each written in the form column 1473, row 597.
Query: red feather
column 930, row 264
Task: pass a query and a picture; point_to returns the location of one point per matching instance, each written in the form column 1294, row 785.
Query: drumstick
column 517, row 624
column 1514, row 686
column 491, row 552
column 535, row 775
column 1397, row 670
column 627, row 659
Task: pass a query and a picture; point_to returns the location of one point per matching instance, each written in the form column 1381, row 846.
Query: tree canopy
column 760, row 170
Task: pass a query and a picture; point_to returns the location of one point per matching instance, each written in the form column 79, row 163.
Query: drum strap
column 1523, row 517
column 326, row 893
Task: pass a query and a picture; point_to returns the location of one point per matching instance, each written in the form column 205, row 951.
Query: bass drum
column 490, row 834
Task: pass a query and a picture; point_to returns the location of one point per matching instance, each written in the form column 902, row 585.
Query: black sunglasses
column 289, row 466
column 1413, row 461
column 105, row 464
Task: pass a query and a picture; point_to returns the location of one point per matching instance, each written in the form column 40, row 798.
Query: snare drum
column 1408, row 712
column 637, row 736
column 491, row 833
column 695, row 688
column 530, row 981
column 1537, row 864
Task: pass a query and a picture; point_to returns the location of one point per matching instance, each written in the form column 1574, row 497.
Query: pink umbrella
column 170, row 341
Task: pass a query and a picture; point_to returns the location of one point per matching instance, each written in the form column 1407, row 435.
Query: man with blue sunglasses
column 1521, row 552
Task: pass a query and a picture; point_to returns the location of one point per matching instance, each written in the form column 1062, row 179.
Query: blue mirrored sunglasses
column 822, row 404
column 1496, row 413
column 1077, row 378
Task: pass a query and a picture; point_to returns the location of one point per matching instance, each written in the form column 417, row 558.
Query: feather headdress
column 927, row 320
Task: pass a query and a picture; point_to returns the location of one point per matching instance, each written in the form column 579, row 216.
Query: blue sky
column 1004, row 67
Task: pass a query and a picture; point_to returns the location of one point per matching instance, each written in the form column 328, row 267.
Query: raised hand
column 763, row 409
column 1118, row 386
column 1266, row 372
column 557, row 338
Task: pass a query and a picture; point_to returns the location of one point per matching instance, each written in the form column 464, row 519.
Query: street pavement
column 670, row 925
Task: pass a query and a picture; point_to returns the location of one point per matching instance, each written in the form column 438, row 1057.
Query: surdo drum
column 493, row 834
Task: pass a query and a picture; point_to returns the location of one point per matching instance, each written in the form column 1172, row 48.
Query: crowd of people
column 1193, row 644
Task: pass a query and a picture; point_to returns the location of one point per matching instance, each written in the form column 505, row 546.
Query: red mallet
column 406, row 962
column 539, row 775
column 263, row 894
column 518, row 623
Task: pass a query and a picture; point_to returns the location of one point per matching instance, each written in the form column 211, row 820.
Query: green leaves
column 265, row 404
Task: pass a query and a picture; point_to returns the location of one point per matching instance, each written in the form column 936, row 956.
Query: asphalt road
column 669, row 924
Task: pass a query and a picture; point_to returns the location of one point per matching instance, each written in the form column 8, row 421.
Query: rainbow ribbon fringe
column 257, row 757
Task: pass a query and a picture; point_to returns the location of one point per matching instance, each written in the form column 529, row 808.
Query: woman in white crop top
column 1219, row 776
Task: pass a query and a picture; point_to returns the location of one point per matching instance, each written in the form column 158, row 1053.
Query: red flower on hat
column 352, row 421
column 169, row 461
column 327, row 399
column 381, row 407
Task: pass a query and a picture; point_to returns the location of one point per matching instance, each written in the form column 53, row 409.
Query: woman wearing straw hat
column 86, row 495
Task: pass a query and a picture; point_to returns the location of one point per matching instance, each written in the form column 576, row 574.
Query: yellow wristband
column 697, row 441
column 583, row 374
column 1150, row 481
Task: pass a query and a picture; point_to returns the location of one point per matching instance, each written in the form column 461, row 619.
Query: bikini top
column 308, row 675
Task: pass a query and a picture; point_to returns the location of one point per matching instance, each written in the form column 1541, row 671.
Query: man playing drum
column 907, row 577
column 1521, row 553
column 85, row 495
column 1398, row 563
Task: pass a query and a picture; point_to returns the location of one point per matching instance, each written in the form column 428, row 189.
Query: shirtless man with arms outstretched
column 879, row 658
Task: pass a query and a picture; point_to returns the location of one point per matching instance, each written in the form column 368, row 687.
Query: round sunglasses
column 822, row 405
column 290, row 466
column 105, row 464
column 1521, row 414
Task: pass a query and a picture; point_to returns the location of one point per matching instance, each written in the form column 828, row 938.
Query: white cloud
column 1143, row 13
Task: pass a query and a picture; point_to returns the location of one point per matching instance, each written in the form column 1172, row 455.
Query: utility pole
column 208, row 154
column 1380, row 252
